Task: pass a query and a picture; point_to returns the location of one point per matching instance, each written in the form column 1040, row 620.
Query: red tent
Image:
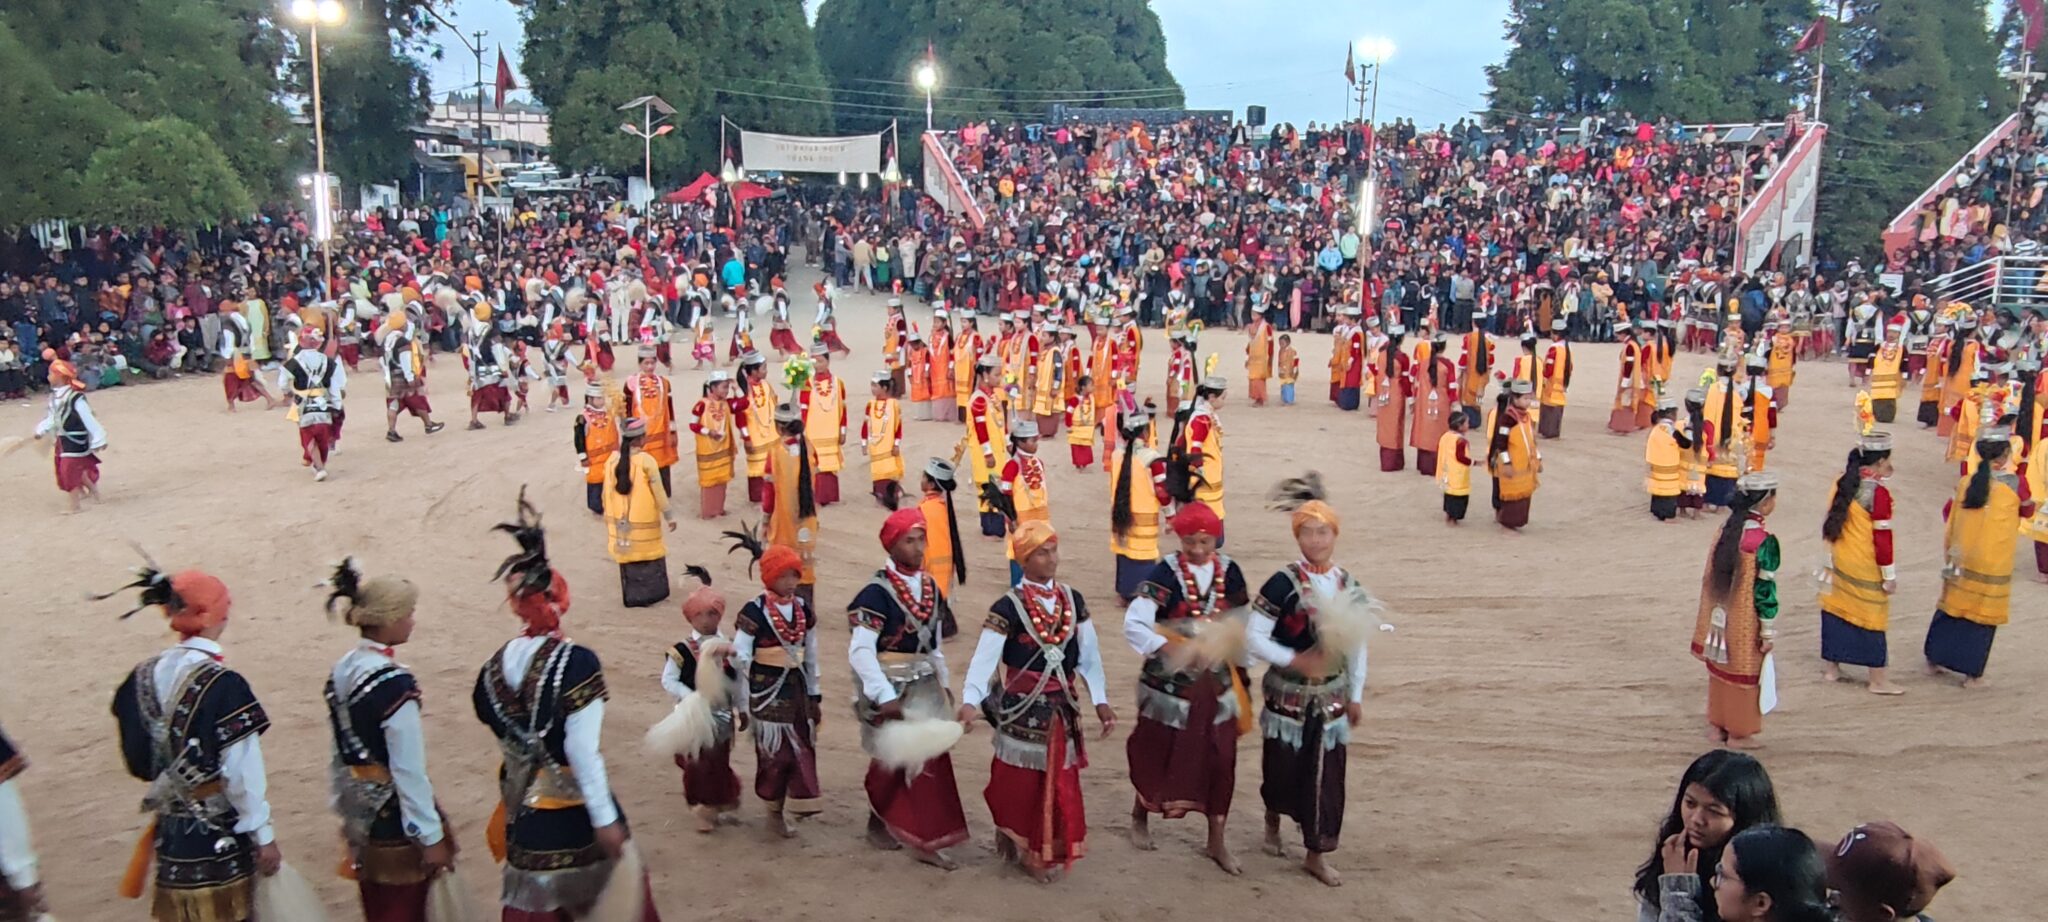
column 749, row 191
column 692, row 192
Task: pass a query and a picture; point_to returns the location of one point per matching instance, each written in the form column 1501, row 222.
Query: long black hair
column 1979, row 491
column 1728, row 547
column 1481, row 352
column 1740, row 783
column 946, row 486
column 1180, row 472
column 1497, row 440
column 806, row 500
column 1958, row 341
column 1695, row 415
column 1728, row 415
column 2028, row 394
column 1846, row 488
column 622, row 469
column 1436, row 354
column 1391, row 352
column 1565, row 340
column 1120, row 516
column 1783, row 864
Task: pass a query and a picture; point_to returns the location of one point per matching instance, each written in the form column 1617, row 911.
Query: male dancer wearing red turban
column 777, row 645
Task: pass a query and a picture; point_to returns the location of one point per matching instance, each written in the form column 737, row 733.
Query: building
column 519, row 125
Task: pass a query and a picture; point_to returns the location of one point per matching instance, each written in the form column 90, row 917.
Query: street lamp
column 650, row 128
column 927, row 77
column 316, row 13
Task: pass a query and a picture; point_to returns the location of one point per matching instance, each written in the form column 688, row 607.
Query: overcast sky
column 1287, row 55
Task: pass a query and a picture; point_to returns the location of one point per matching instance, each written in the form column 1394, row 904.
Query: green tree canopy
column 373, row 88
column 163, row 172
column 995, row 59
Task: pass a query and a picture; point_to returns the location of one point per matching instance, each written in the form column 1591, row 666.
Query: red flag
column 2031, row 9
column 1815, row 35
column 1351, row 73
column 505, row 81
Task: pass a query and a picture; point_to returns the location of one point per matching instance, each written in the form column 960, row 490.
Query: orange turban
column 778, row 560
column 1032, row 535
column 1315, row 510
column 542, row 611
column 705, row 600
column 202, row 602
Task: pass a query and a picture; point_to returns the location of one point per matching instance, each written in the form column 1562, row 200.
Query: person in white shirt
column 315, row 383
column 80, row 438
column 710, row 787
column 396, row 837
column 1313, row 694
column 1040, row 635
column 191, row 728
column 21, row 889
column 543, row 696
column 776, row 646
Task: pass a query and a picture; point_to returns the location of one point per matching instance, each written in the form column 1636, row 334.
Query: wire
column 878, row 109
column 1088, row 95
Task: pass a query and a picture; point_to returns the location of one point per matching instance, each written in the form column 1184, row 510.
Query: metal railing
column 2013, row 281
column 1899, row 233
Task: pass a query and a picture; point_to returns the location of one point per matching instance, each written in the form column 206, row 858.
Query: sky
column 1287, row 55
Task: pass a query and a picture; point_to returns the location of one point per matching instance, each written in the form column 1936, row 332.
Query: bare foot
column 1141, row 832
column 1220, row 853
column 1273, row 846
column 728, row 817
column 780, row 825
column 707, row 819
column 1886, row 689
column 1831, row 673
column 939, row 860
column 1933, row 669
column 1976, row 682
column 1744, row 742
column 1320, row 870
column 1050, row 875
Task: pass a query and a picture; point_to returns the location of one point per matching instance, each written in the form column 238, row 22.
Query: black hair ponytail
column 1497, row 440
column 1729, row 419
column 1728, row 547
column 1120, row 515
column 622, row 469
column 1846, row 488
column 1979, row 491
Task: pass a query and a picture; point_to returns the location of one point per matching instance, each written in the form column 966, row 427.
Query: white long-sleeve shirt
column 988, row 654
column 241, row 765
column 17, row 850
column 96, row 434
column 743, row 650
column 405, row 741
column 315, row 364
column 672, row 675
column 867, row 665
column 581, row 731
column 1260, row 643
column 1143, row 613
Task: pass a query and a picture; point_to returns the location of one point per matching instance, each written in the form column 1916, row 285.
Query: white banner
column 798, row 154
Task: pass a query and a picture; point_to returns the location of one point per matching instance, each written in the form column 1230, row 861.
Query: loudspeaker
column 1254, row 116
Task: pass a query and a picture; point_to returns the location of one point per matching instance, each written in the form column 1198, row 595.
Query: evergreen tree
column 996, row 60
column 772, row 55
column 1581, row 57
column 163, row 172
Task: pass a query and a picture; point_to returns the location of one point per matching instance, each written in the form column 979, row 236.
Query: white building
column 518, row 123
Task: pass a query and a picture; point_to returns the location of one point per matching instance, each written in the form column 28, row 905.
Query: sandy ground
column 1526, row 722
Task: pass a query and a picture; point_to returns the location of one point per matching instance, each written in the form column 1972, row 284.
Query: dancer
column 1436, row 386
column 1258, row 358
column 777, row 647
column 940, row 378
column 1040, row 635
column 1200, row 449
column 316, row 383
column 1081, row 424
column 757, row 396
column 824, row 414
column 396, row 838
column 791, row 502
column 1393, row 380
column 1512, row 456
column 1886, row 372
column 21, row 887
column 543, row 697
column 944, row 557
column 1634, row 379
column 1722, row 433
column 897, row 621
column 1557, row 379
column 969, row 349
column 80, row 437
column 1191, row 707
column 987, row 443
column 918, row 376
column 1454, row 468
column 1978, row 545
column 405, row 372
column 1473, row 368
column 710, row 788
column 881, row 439
column 1738, row 614
column 1314, row 694
column 1855, row 606
column 719, row 422
column 190, row 727
column 1137, row 494
column 239, row 378
column 1665, row 456
column 650, row 400
column 596, row 438
column 1024, row 491
column 488, row 393
column 636, row 513
column 1759, row 413
column 1289, row 370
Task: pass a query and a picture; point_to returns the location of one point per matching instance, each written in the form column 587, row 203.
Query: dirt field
column 1526, row 721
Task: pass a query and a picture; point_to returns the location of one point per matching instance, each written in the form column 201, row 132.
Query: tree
column 41, row 167
column 373, row 88
column 771, row 54
column 211, row 63
column 995, row 60
column 164, row 173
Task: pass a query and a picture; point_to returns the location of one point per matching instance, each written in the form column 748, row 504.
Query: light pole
column 649, row 128
column 927, row 77
column 314, row 13
column 1378, row 50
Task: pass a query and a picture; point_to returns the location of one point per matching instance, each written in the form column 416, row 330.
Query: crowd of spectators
column 1994, row 206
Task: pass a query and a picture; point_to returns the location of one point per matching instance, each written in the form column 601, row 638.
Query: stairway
column 1900, row 232
column 1775, row 227
column 943, row 183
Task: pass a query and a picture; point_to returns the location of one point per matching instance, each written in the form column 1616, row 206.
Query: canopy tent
column 692, row 192
column 749, row 191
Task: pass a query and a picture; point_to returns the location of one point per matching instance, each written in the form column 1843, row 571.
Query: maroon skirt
column 1189, row 770
column 1040, row 811
column 491, row 398
column 239, row 389
column 394, row 902
column 77, row 473
column 316, row 442
column 923, row 811
column 708, row 779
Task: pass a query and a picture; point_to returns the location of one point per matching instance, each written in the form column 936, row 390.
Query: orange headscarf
column 1315, row 510
column 778, row 560
column 202, row 602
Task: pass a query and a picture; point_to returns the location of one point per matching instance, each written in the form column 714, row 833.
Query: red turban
column 900, row 523
column 1197, row 519
column 542, row 611
column 704, row 601
column 202, row 602
column 778, row 560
